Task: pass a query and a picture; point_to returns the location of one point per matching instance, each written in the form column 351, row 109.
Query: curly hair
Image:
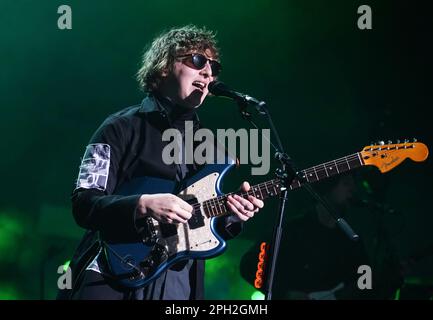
column 160, row 56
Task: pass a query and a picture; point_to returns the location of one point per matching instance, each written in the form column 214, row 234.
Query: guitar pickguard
column 186, row 238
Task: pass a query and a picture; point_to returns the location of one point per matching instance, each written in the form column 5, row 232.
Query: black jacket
column 127, row 145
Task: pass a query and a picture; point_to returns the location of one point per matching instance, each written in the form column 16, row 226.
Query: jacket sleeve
column 93, row 205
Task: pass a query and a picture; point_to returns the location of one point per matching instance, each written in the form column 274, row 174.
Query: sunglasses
column 198, row 61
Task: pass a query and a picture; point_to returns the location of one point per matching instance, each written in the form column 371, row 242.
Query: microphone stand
column 287, row 173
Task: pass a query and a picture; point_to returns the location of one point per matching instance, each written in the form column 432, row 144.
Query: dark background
column 331, row 87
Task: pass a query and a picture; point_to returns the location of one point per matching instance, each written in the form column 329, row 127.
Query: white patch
column 94, row 167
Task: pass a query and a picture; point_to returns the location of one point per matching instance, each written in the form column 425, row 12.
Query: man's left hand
column 244, row 209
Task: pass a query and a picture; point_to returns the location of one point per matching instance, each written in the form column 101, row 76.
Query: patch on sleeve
column 94, row 167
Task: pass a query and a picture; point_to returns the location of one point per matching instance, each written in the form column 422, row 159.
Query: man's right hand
column 164, row 207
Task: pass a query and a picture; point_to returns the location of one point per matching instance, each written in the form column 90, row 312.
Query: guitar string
column 263, row 186
column 318, row 169
column 210, row 204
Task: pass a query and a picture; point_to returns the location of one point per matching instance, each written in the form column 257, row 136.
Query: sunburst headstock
column 388, row 156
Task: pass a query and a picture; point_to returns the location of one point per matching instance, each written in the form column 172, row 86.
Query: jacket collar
column 151, row 104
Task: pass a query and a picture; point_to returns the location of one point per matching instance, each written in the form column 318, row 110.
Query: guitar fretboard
column 217, row 206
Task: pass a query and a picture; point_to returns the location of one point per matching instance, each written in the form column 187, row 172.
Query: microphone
column 219, row 89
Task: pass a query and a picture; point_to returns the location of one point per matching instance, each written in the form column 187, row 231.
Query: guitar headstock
column 388, row 156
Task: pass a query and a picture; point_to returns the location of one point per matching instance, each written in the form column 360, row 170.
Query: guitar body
column 135, row 264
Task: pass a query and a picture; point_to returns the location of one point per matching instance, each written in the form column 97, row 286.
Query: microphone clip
column 259, row 105
column 243, row 109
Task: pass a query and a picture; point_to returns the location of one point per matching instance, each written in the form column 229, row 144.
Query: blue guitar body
column 135, row 264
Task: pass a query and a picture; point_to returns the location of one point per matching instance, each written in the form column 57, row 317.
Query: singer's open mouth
column 199, row 84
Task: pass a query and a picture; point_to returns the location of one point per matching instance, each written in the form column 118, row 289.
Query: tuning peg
column 398, row 141
column 381, row 143
column 406, row 140
column 389, row 141
column 372, row 143
column 415, row 140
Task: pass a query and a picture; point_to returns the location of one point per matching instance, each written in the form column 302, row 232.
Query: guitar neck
column 327, row 169
column 217, row 206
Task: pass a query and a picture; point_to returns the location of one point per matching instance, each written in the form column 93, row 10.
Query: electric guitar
column 135, row 264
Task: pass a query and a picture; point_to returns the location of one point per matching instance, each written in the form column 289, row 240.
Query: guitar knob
column 381, row 143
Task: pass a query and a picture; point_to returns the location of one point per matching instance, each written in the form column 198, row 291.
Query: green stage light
column 367, row 186
column 397, row 294
column 8, row 293
column 11, row 231
column 257, row 295
column 66, row 265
